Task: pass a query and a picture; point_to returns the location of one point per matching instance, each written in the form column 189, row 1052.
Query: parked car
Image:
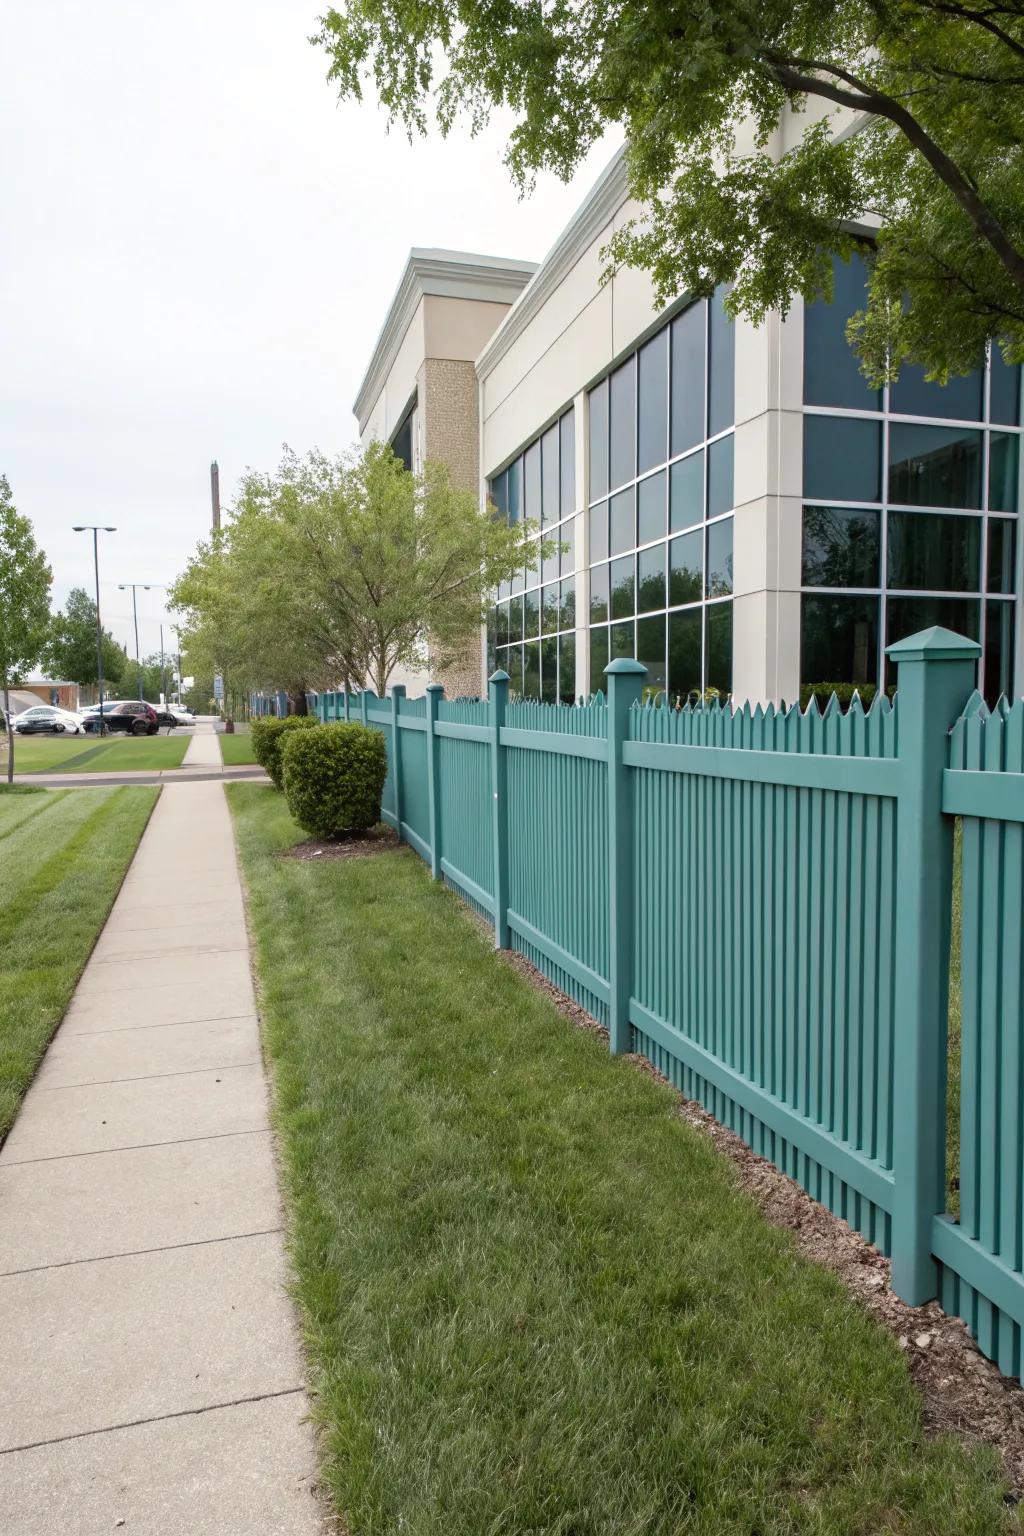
column 47, row 720
column 130, row 715
column 165, row 715
column 182, row 716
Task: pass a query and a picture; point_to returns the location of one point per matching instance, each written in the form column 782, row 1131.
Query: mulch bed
column 360, row 845
column 963, row 1393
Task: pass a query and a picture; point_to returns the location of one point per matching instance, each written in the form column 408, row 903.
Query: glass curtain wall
column 910, row 506
column 660, row 519
column 532, row 630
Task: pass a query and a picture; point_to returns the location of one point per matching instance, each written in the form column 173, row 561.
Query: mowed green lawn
column 236, row 749
column 95, row 754
column 534, row 1299
column 63, row 855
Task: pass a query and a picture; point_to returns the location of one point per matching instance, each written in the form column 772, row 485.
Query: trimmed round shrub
column 269, row 735
column 334, row 778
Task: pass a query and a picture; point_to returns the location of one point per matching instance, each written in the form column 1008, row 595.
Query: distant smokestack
column 215, row 494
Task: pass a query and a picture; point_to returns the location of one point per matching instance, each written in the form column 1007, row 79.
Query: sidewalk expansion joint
column 135, row 1146
column 149, row 1077
column 157, row 1418
column 131, row 1029
column 166, row 954
column 136, row 1253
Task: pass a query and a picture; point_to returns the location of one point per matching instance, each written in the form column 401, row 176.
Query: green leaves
column 25, row 581
column 759, row 135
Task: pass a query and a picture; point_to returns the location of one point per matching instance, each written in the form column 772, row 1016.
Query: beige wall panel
column 459, row 328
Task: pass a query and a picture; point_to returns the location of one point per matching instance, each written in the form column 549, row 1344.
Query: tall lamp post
column 96, row 529
column 133, row 587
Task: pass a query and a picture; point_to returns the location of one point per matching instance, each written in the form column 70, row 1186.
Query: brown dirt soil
column 963, row 1393
column 358, row 845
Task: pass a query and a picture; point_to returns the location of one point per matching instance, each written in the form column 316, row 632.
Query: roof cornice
column 598, row 208
column 447, row 274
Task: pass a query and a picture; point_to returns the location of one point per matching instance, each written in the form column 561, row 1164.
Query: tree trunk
column 10, row 734
column 301, row 707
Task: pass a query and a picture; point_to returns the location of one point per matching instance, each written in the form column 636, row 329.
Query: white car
column 48, row 720
column 181, row 715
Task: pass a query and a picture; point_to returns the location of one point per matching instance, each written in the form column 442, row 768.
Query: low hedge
column 844, row 692
column 334, row 778
column 269, row 735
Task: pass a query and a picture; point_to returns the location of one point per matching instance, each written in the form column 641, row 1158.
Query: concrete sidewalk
column 204, row 748
column 152, row 1379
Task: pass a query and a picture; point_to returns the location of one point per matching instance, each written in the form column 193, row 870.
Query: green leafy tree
column 71, row 645
column 25, row 581
column 343, row 569
column 153, row 675
column 760, row 135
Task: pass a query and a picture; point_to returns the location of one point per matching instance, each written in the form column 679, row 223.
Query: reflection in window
column 650, row 649
column 907, row 615
column 598, row 531
column 567, row 669
column 549, row 610
column 650, row 576
column 598, row 406
column 721, row 366
column 934, row 466
column 622, row 638
column 652, row 403
column 688, row 378
column 622, row 424
column 401, row 443
column 1003, row 463
column 719, row 563
column 998, row 651
column 1004, row 391
column 567, row 455
column 839, row 639
column 515, row 496
column 686, row 492
column 567, row 608
column 913, row 395
column 551, row 484
column 1002, row 551
column 842, row 459
column 832, row 373
column 599, row 594
column 598, row 659
column 623, row 521
column 686, row 569
column 532, row 483
column 720, row 476
column 933, row 552
column 531, row 670
column 840, row 547
column 718, row 647
column 685, row 653
column 531, row 614
column 650, row 508
column 549, row 670
column 623, row 600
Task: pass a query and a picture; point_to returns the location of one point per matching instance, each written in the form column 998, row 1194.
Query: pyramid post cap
column 501, row 676
column 934, row 644
column 625, row 664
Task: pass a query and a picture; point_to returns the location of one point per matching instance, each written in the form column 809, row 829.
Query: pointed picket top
column 934, row 644
column 833, row 707
column 975, row 706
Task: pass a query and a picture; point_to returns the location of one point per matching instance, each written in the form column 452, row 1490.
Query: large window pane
column 842, row 459
column 532, row 483
column 567, row 461
column 650, row 649
column 531, row 670
column 721, row 366
column 623, row 594
column 998, row 651
column 622, row 423
column 652, row 412
column 549, row 670
column 499, row 494
column 501, row 635
column 913, row 395
column 531, row 614
column 718, row 648
column 719, row 564
column 566, row 536
column 551, row 489
column 689, row 368
column 933, row 552
column 1003, row 471
column 909, row 615
column 685, row 640
column 515, row 620
column 1002, row 553
column 686, row 492
column 650, row 508
column 622, row 640
column 567, row 669
column 720, row 476
column 549, row 609
column 598, row 531
column 934, row 466
column 598, row 660
column 650, row 579
column 598, row 404
column 686, row 568
column 839, row 640
column 515, row 494
column 840, row 547
column 599, row 594
column 512, row 661
column 832, row 373
column 1004, row 391
column 623, row 521
column 549, row 567
column 567, row 609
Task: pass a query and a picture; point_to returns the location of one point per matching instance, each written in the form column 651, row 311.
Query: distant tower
column 215, row 495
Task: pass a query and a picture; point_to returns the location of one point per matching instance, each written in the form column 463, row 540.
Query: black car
column 132, row 716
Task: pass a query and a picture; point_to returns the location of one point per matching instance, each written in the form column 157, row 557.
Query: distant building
column 63, row 695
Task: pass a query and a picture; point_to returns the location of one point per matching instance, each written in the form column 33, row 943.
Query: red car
column 134, row 716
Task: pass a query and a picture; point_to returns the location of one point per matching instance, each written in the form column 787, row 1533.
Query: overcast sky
column 197, row 248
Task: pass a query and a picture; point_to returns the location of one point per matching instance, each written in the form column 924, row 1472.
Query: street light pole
column 123, row 586
column 96, row 529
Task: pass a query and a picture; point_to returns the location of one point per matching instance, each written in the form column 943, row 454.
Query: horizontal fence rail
column 759, row 901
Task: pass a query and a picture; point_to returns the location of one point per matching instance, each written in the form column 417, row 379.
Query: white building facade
column 729, row 503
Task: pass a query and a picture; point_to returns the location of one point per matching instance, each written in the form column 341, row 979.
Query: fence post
column 625, row 681
column 936, row 674
column 497, row 688
column 397, row 694
column 348, row 705
column 364, row 700
column 434, row 692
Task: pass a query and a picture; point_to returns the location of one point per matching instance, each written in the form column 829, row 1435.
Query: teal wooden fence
column 759, row 902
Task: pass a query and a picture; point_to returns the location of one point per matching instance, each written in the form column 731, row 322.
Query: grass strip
column 236, row 749
column 57, row 885
column 51, row 754
column 534, row 1299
